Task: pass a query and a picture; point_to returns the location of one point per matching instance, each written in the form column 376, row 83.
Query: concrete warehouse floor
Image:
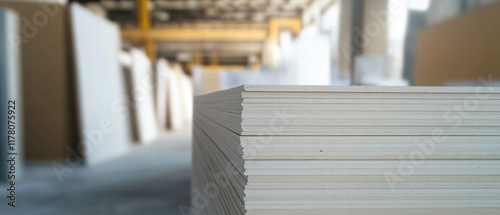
column 152, row 179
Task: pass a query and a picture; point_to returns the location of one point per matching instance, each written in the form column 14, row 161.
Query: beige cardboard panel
column 462, row 49
column 45, row 78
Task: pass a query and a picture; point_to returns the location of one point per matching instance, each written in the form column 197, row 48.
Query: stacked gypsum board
column 101, row 100
column 161, row 78
column 142, row 97
column 347, row 150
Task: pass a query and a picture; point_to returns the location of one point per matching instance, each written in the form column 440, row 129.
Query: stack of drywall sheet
column 142, row 98
column 180, row 98
column 347, row 150
column 160, row 81
column 174, row 101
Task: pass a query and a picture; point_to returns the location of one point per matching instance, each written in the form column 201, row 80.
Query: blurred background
column 104, row 88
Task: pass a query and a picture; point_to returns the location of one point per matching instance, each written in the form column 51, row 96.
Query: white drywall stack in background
column 180, row 98
column 125, row 59
column 161, row 80
column 293, row 150
column 187, row 98
column 174, row 101
column 10, row 91
column 142, row 89
column 101, row 96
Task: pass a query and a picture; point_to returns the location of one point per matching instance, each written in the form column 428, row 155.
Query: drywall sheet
column 100, row 89
column 187, row 98
column 162, row 69
column 466, row 48
column 142, row 96
column 175, row 111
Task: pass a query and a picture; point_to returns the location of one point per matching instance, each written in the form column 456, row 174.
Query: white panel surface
column 175, row 101
column 100, row 90
column 162, row 70
column 142, row 94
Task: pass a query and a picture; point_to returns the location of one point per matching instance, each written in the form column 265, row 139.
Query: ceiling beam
column 197, row 34
column 218, row 47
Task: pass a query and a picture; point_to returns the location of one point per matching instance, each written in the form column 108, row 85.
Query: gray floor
column 153, row 179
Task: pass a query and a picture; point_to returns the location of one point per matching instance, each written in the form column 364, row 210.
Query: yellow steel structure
column 182, row 34
column 186, row 34
column 144, row 20
column 277, row 24
column 143, row 14
column 149, row 36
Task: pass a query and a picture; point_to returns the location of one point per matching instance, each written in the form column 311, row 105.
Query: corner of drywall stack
column 318, row 150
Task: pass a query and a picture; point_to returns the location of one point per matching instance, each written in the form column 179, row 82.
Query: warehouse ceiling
column 181, row 11
column 237, row 15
